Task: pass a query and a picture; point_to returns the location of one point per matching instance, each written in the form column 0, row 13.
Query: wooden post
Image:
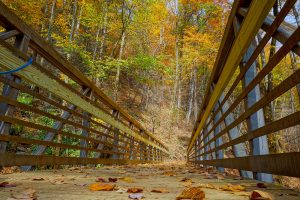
column 116, row 137
column 218, row 142
column 239, row 150
column 85, row 133
column 131, row 143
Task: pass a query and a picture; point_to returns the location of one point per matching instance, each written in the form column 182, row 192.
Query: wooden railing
column 233, row 99
column 68, row 118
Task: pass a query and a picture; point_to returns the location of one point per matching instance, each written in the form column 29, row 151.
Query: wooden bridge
column 106, row 134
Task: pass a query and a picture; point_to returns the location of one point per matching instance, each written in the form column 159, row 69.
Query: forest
column 154, row 58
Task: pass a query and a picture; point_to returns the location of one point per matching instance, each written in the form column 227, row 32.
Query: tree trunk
column 119, row 67
column 51, row 21
column 74, row 19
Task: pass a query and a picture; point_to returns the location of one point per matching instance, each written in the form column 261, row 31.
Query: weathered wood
column 18, row 139
column 9, row 159
column 84, row 133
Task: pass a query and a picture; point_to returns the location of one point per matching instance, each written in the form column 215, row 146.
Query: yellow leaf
column 127, row 179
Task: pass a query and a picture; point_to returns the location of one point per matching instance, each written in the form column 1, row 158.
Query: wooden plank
column 9, row 159
column 285, row 164
column 34, row 75
column 258, row 10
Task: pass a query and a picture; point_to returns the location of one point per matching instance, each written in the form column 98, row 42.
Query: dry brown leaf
column 232, row 188
column 185, row 179
column 194, row 193
column 101, row 187
column 58, row 181
column 7, row 185
column 260, row 195
column 261, row 185
column 209, row 186
column 160, row 190
column 38, row 179
column 135, row 190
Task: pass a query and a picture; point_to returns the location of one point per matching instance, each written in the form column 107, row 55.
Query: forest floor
column 161, row 181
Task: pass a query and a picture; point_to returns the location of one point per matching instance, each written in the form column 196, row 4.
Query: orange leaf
column 101, row 187
column 134, row 190
column 160, row 190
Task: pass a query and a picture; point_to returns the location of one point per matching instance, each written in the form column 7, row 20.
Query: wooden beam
column 286, row 164
column 9, row 159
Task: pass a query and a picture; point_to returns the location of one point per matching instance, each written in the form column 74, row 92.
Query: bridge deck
column 146, row 176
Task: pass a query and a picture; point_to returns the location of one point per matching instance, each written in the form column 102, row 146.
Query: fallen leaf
column 185, row 179
column 209, row 186
column 102, row 180
column 160, row 190
column 38, row 179
column 29, row 194
column 101, row 187
column 7, row 185
column 113, row 180
column 126, row 179
column 136, row 196
column 121, row 190
column 232, row 188
column 260, row 195
column 58, row 181
column 135, row 190
column 261, row 185
column 194, row 193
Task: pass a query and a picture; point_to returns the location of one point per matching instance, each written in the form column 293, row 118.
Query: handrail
column 218, row 125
